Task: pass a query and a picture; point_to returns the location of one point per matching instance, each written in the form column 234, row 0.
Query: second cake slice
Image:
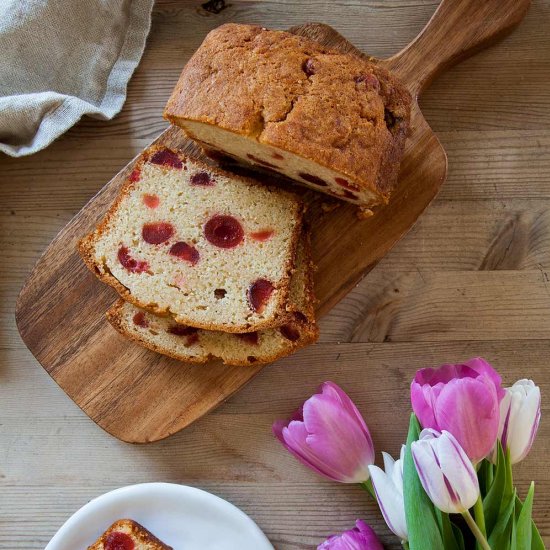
column 214, row 250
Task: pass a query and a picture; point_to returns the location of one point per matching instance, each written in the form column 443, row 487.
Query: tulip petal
column 468, row 408
column 337, row 438
column 390, row 501
column 525, row 418
column 295, row 440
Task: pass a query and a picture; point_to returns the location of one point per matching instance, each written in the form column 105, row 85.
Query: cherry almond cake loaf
column 192, row 345
column 214, row 250
column 126, row 534
column 329, row 120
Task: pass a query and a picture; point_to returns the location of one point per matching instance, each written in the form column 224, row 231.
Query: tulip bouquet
column 452, row 486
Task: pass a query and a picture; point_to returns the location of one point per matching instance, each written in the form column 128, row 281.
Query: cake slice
column 329, row 120
column 126, row 534
column 212, row 249
column 193, row 345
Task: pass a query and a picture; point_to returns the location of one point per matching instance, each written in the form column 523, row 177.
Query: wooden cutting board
column 139, row 396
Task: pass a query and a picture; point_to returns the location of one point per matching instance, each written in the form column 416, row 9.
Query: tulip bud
column 462, row 399
column 445, row 471
column 361, row 537
column 388, row 487
column 519, row 418
column 328, row 434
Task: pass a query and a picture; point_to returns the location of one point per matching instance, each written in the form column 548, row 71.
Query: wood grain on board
column 495, row 204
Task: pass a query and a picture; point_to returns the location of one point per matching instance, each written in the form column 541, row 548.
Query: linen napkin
column 62, row 59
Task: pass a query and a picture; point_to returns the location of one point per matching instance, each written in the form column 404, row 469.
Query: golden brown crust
column 87, row 243
column 309, row 333
column 137, row 532
column 336, row 109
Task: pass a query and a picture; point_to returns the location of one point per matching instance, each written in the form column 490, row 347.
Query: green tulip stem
column 405, row 544
column 367, row 485
column 480, row 516
column 475, row 530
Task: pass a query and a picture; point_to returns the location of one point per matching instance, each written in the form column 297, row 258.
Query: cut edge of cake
column 135, row 532
column 86, row 247
column 190, row 345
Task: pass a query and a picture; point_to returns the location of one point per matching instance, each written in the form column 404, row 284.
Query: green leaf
column 422, row 524
column 446, row 527
column 500, row 535
column 524, row 523
column 513, row 538
column 493, row 500
column 485, row 476
column 459, row 537
column 536, row 540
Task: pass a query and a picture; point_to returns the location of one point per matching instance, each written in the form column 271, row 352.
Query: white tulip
column 519, row 419
column 388, row 486
column 445, row 471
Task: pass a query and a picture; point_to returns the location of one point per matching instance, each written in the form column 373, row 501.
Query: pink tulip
column 361, row 537
column 463, row 400
column 328, row 434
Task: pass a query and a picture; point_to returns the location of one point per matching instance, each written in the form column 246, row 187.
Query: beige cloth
column 62, row 59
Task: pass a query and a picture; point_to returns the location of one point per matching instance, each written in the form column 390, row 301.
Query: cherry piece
column 262, row 235
column 313, row 179
column 224, row 231
column 202, row 178
column 277, row 156
column 140, row 320
column 133, row 266
column 157, row 232
column 261, row 161
column 135, row 175
column 345, row 183
column 220, row 293
column 371, row 82
column 192, row 339
column 308, row 67
column 259, row 293
column 165, row 157
column 300, row 316
column 185, row 251
column 350, row 195
column 151, row 201
column 249, row 337
column 290, row 332
column 118, row 541
column 181, row 330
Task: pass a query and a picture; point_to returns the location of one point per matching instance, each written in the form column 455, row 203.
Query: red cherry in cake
column 300, row 316
column 157, row 232
column 371, row 82
column 165, row 157
column 259, row 293
column 310, row 178
column 224, row 231
column 202, row 178
column 277, row 156
column 248, row 337
column 151, row 201
column 133, row 266
column 290, row 332
column 308, row 67
column 118, row 541
column 261, row 161
column 181, row 330
column 263, row 235
column 192, row 339
column 350, row 195
column 135, row 175
column 140, row 320
column 185, row 251
column 342, row 182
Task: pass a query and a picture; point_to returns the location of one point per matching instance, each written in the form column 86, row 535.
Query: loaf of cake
column 332, row 121
column 214, row 250
column 126, row 534
column 192, row 345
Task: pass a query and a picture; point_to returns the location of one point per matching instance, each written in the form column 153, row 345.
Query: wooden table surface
column 472, row 278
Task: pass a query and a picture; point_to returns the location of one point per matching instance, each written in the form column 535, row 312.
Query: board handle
column 457, row 30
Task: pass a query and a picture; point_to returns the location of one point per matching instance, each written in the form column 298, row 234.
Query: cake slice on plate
column 126, row 534
column 192, row 345
column 214, row 250
column 330, row 120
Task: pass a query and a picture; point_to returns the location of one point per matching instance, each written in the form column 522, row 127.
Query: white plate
column 182, row 517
